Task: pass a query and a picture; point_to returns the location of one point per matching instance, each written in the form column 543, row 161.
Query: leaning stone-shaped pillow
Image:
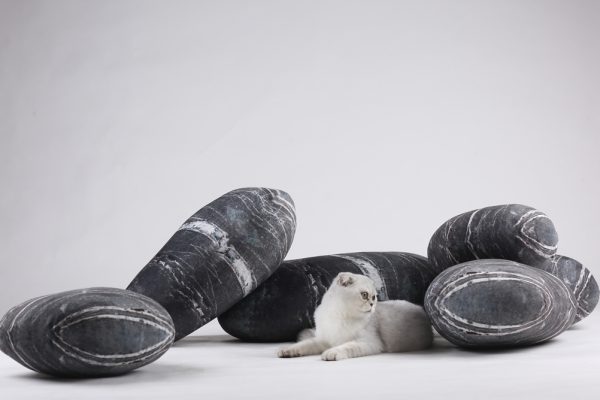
column 87, row 332
column 579, row 280
column 219, row 255
column 512, row 232
column 498, row 303
column 284, row 304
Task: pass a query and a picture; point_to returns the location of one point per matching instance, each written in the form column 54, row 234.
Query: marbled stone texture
column 579, row 280
column 512, row 232
column 498, row 303
column 284, row 304
column 219, row 255
column 87, row 332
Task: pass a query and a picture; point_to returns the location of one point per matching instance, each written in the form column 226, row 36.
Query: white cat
column 349, row 323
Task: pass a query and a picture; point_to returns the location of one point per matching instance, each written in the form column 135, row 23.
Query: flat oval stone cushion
column 512, row 232
column 579, row 280
column 284, row 304
column 219, row 255
column 498, row 303
column 87, row 332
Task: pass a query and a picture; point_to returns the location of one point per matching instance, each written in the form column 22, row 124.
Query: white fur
column 348, row 325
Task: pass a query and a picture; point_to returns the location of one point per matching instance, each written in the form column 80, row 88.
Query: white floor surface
column 214, row 365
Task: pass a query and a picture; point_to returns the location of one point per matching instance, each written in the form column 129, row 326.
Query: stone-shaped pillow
column 284, row 304
column 498, row 303
column 219, row 255
column 87, row 332
column 512, row 232
column 579, row 280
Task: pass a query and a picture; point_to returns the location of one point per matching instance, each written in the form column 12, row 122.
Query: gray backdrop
column 382, row 119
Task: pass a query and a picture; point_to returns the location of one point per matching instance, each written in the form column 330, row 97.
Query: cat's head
column 358, row 291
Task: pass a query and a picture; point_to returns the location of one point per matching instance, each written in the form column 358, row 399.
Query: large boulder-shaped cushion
column 579, row 280
column 219, row 255
column 284, row 304
column 87, row 333
column 498, row 303
column 512, row 232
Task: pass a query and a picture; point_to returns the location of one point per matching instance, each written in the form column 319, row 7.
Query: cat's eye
column 364, row 295
column 373, row 298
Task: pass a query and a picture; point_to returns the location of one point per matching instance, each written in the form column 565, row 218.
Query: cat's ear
column 345, row 279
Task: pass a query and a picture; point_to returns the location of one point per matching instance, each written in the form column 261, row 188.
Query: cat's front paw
column 333, row 355
column 288, row 352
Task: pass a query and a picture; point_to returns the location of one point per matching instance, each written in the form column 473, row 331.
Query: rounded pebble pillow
column 498, row 303
column 579, row 280
column 87, row 332
column 511, row 232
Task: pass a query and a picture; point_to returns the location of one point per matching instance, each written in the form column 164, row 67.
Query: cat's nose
column 371, row 304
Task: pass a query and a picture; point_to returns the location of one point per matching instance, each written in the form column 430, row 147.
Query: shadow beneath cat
column 190, row 341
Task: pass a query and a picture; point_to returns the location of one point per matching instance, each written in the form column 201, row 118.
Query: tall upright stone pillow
column 219, row 255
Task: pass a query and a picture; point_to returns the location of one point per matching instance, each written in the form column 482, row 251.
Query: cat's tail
column 306, row 334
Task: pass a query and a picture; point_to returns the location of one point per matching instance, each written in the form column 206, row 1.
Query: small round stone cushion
column 87, row 332
column 498, row 303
